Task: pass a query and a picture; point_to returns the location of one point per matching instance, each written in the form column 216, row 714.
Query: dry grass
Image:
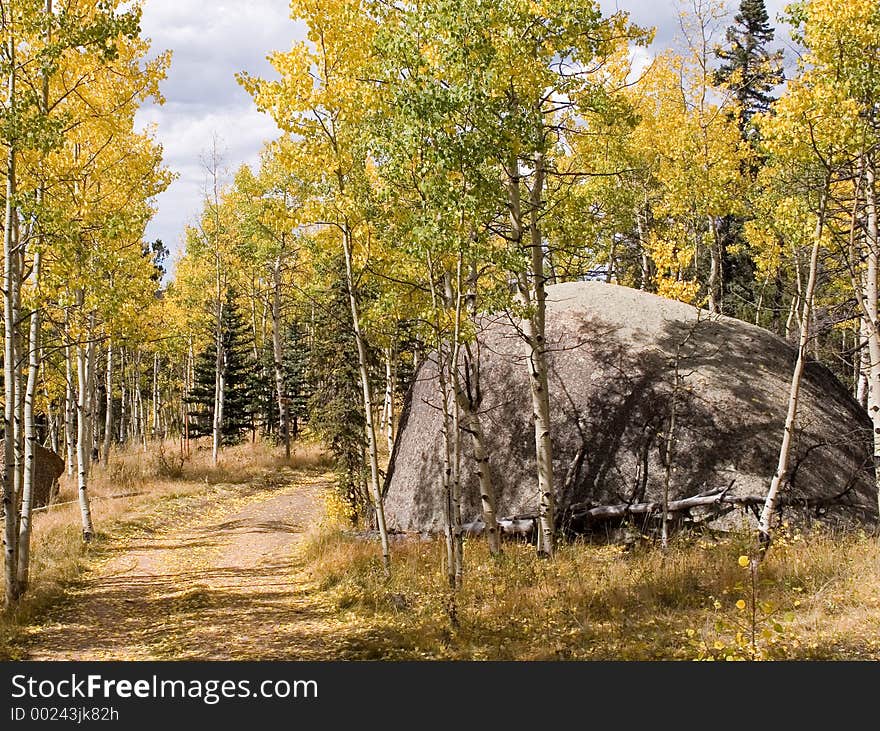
column 815, row 597
column 137, row 491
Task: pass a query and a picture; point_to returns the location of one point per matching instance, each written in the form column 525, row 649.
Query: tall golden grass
column 815, row 596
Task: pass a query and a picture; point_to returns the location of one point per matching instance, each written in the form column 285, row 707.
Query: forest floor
column 223, row 580
column 252, row 561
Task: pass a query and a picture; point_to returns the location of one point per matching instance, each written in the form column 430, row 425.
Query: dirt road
column 228, row 584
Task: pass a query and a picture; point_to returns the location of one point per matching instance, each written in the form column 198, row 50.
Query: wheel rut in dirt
column 229, row 585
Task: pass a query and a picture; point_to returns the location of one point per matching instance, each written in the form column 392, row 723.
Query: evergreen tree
column 238, row 370
column 297, row 383
column 264, row 404
column 751, row 70
column 335, row 406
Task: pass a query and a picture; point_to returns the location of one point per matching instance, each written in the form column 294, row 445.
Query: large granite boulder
column 48, row 467
column 613, row 355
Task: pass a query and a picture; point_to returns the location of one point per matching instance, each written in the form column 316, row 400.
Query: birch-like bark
column 30, row 438
column 714, row 268
column 93, row 395
column 388, row 405
column 219, row 380
column 108, row 406
column 83, row 432
column 123, row 398
column 782, row 469
column 533, row 295
column 870, row 304
column 69, row 411
column 53, row 418
column 278, row 358
column 458, row 554
column 446, row 429
column 10, row 499
column 363, row 368
column 156, row 405
column 139, row 396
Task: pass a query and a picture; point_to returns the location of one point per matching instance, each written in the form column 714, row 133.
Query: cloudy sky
column 213, row 41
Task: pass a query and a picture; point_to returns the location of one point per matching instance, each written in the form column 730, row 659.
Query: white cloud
column 211, row 42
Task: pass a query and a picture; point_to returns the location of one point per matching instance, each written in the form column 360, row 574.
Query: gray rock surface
column 612, row 359
column 48, row 467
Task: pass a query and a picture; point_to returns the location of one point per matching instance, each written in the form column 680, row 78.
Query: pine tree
column 335, row 406
column 297, row 376
column 751, row 70
column 238, row 372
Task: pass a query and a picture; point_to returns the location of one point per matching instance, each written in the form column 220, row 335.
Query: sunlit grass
column 816, row 596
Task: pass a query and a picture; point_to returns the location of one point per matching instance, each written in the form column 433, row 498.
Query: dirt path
column 230, row 584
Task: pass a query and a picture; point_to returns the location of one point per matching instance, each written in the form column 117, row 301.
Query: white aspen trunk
column 388, row 406
column 534, row 298
column 10, row 499
column 873, row 329
column 471, row 424
column 456, row 433
column 155, row 405
column 782, row 469
column 446, row 430
column 139, row 396
column 83, row 432
column 53, row 416
column 108, row 407
column 670, row 449
column 278, row 359
column 70, row 411
column 363, row 368
column 470, row 397
column 93, row 394
column 123, row 398
column 30, row 439
column 219, row 385
column 187, row 386
column 714, row 269
column 18, row 368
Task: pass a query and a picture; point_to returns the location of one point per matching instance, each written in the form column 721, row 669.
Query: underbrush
column 815, row 596
column 136, row 491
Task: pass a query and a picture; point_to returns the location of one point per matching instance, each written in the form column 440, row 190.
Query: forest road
column 228, row 584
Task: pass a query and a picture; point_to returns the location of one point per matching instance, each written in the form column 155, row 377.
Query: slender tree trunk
column 30, row 438
column 363, row 368
column 10, row 275
column 456, row 431
column 533, row 295
column 83, row 434
column 187, row 385
column 219, row 385
column 108, row 409
column 278, row 359
column 123, row 397
column 444, row 366
column 873, row 326
column 70, row 411
column 52, row 417
column 388, row 407
column 782, row 469
column 93, row 395
column 156, row 406
column 715, row 285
